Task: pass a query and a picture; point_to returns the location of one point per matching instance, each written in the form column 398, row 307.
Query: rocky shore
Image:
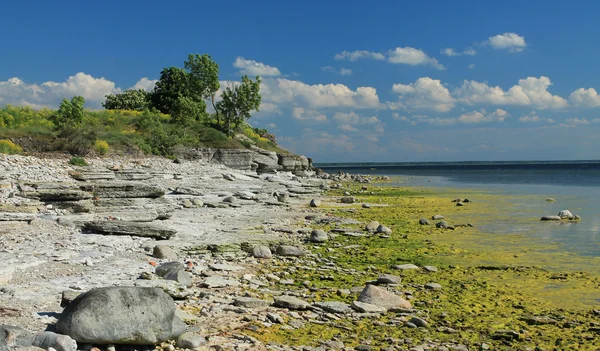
column 137, row 254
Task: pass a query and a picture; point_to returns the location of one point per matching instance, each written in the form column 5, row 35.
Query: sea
column 574, row 185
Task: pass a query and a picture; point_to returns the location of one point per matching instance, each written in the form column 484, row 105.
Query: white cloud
column 309, row 115
column 145, row 84
column 254, row 68
column 49, row 94
column 577, row 121
column 296, row 93
column 424, row 93
column 470, row 52
column 530, row 91
column 585, row 97
column 359, row 54
column 342, row 72
column 482, row 116
column 529, row 119
column 451, row 52
column 412, row 56
column 347, row 128
column 510, row 41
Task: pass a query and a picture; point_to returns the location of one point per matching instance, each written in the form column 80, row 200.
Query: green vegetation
column 8, row 147
column 78, row 161
column 486, row 289
column 173, row 114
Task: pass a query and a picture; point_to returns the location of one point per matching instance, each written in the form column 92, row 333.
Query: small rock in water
column 424, row 221
column 550, row 199
column 550, row 218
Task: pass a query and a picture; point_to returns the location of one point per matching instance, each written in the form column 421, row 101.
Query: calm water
column 574, row 185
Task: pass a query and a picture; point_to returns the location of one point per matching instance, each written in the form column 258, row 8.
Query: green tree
column 130, row 99
column 186, row 110
column 203, row 77
column 237, row 101
column 70, row 113
column 171, row 85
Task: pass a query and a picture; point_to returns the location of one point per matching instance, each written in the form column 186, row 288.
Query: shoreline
column 216, row 244
column 528, row 305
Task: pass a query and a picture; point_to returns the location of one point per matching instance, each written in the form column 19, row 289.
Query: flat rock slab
column 225, row 267
column 334, row 307
column 364, row 307
column 291, row 303
column 405, row 267
column 148, row 230
column 251, row 302
column 218, row 282
column 123, row 190
column 18, row 217
column 287, row 250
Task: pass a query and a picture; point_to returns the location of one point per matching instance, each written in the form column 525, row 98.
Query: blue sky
column 342, row 80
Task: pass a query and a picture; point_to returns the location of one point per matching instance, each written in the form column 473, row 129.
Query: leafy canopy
column 237, row 101
column 130, row 99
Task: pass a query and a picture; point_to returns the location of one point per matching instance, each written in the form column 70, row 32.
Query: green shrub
column 78, row 161
column 101, row 147
column 77, row 141
column 8, row 147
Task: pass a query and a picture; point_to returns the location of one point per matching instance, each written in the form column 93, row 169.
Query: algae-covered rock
column 383, row 298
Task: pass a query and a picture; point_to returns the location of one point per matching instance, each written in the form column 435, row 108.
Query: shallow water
column 524, row 189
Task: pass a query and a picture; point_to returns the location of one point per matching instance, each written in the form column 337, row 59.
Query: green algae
column 489, row 282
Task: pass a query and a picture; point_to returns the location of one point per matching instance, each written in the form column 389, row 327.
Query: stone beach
column 149, row 253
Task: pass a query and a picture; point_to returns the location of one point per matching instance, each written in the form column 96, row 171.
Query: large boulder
column 293, row 163
column 374, row 295
column 121, row 315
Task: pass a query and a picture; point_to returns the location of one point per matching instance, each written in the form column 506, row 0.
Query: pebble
column 433, row 286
